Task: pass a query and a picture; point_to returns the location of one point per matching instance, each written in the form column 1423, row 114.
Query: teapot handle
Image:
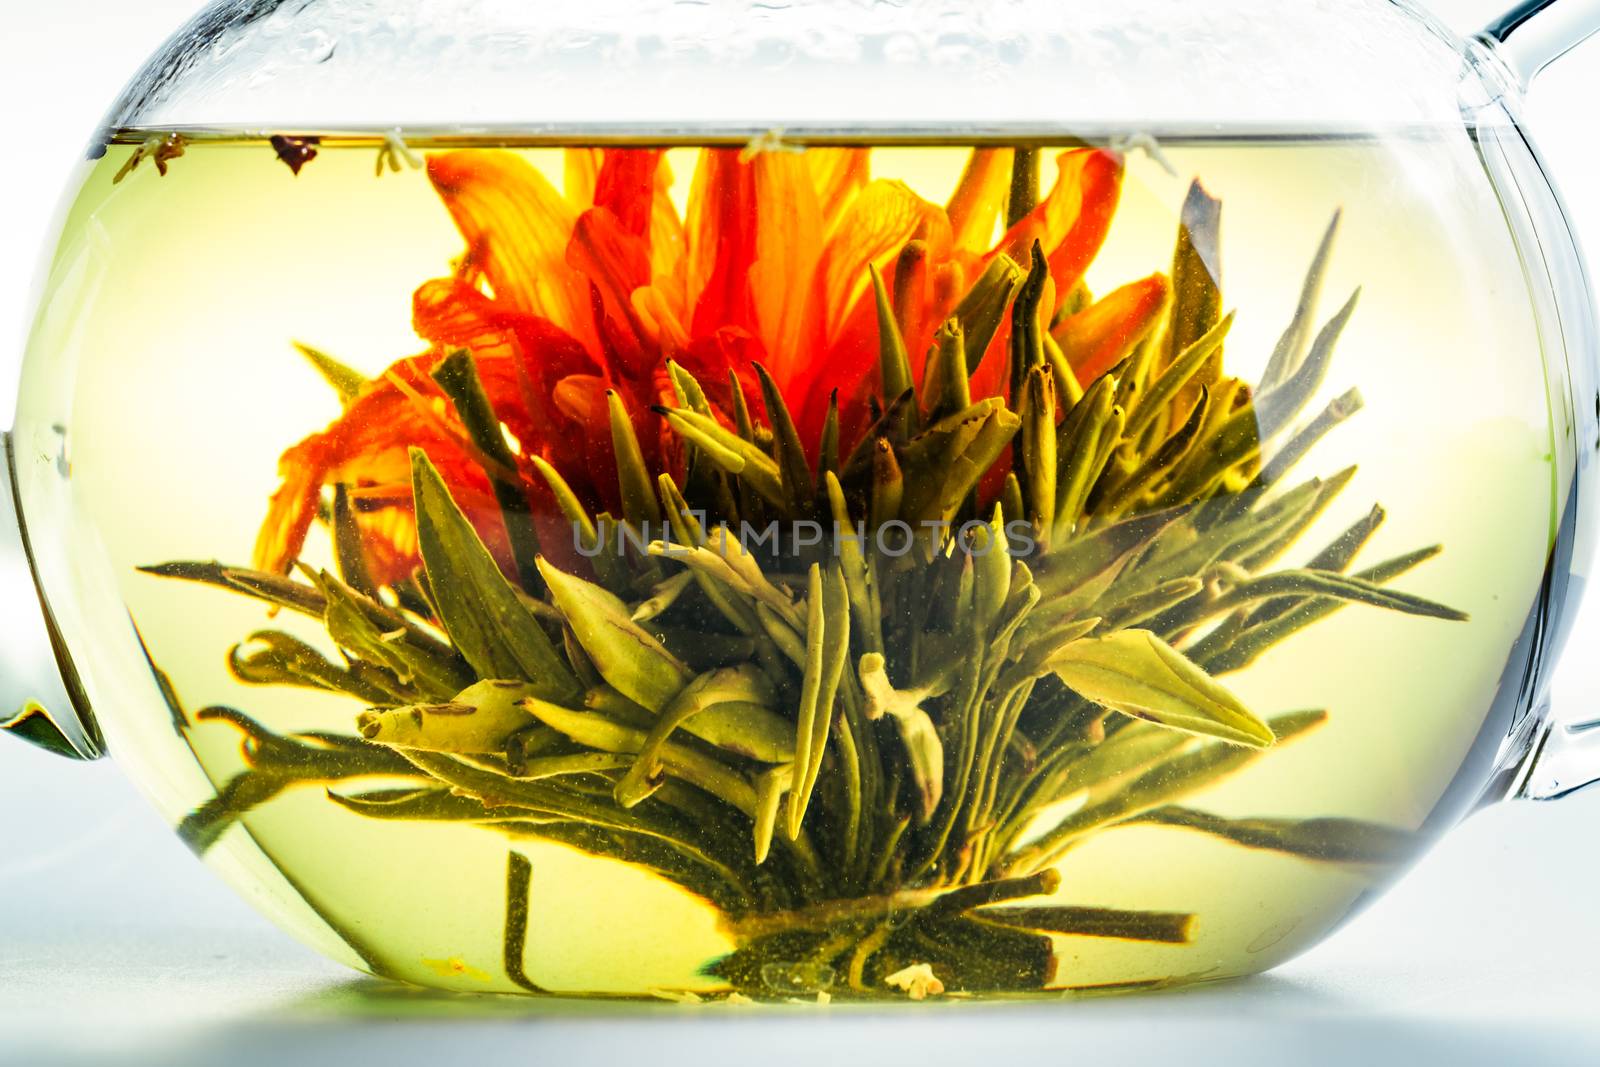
column 40, row 700
column 1563, row 762
column 1536, row 33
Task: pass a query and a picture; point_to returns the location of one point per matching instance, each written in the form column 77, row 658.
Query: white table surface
column 116, row 946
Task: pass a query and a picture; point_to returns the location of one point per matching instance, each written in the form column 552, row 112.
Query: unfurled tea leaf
column 625, row 654
column 1276, row 407
column 479, row 720
column 1329, row 840
column 687, row 389
column 356, row 623
column 729, row 451
column 663, row 596
column 347, row 549
column 596, row 731
column 1338, row 410
column 276, row 589
column 1337, row 586
column 591, row 540
column 1196, row 277
column 1291, row 347
column 729, row 708
column 1138, row 674
column 1191, row 769
column 828, row 449
column 983, row 309
column 485, row 618
column 346, row 382
column 272, row 657
column 1161, row 927
column 945, row 388
column 1027, row 334
column 1184, row 369
column 770, row 790
column 827, row 651
column 457, row 375
column 794, row 471
column 894, row 363
column 423, row 803
column 1039, row 453
column 638, row 492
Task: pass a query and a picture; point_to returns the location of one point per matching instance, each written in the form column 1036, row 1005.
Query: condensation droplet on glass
column 317, row 46
column 902, row 48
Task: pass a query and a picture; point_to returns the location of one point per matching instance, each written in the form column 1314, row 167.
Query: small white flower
column 395, row 152
column 771, row 141
column 917, row 982
column 1147, row 144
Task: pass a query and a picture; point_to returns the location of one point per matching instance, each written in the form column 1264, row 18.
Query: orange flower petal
column 627, row 185
column 1072, row 221
column 974, row 208
column 872, row 232
column 367, row 445
column 721, row 243
column 788, row 244
column 668, row 248
column 451, row 314
column 838, row 174
column 292, row 507
column 517, row 228
column 616, row 261
column 1100, row 336
column 580, row 174
column 1098, row 176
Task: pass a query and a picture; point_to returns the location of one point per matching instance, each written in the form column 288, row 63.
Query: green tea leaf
column 1327, row 840
column 639, row 506
column 478, row 607
column 347, row 544
column 357, row 625
column 1291, row 348
column 729, row 451
column 894, row 363
column 348, row 383
column 629, row 658
column 272, row 657
column 794, row 471
column 1196, row 276
column 983, row 309
column 457, row 375
column 827, row 650
column 1157, row 927
column 945, row 388
column 479, row 721
column 1337, row 586
column 1191, row 769
column 729, row 708
column 1137, row 673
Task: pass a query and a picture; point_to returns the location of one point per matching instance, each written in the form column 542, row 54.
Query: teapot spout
column 40, row 700
column 1536, row 33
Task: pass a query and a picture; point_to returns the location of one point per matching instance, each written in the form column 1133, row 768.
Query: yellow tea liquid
column 164, row 387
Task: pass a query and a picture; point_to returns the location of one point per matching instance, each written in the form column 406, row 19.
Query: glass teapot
column 822, row 499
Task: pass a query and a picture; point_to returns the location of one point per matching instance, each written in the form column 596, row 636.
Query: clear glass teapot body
column 1235, row 556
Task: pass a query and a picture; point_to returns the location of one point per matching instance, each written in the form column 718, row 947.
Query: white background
column 115, row 943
